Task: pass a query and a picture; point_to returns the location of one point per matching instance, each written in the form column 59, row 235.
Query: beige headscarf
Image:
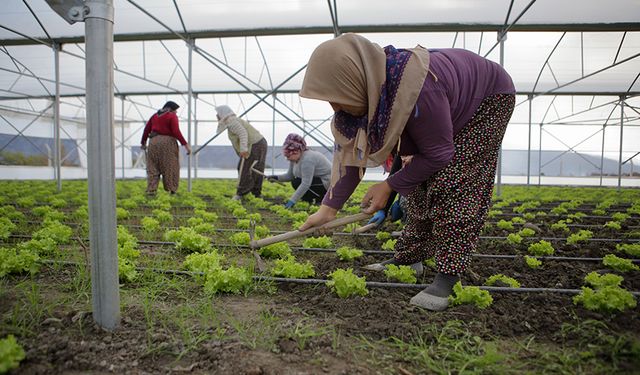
column 351, row 70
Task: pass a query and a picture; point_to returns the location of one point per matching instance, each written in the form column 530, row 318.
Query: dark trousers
column 251, row 182
column 315, row 193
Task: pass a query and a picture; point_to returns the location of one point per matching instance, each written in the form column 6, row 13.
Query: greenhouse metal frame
column 33, row 90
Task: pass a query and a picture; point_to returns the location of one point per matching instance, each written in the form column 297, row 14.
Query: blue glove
column 289, row 204
column 378, row 218
column 396, row 211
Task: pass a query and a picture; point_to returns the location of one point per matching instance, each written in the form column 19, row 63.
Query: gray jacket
column 311, row 164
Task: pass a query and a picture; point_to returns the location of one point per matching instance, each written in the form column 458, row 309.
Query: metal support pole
column 501, row 37
column 273, row 136
column 56, row 119
column 530, row 98
column 540, row 156
column 621, row 138
column 101, row 164
column 122, row 132
column 604, row 127
column 195, row 135
column 190, row 96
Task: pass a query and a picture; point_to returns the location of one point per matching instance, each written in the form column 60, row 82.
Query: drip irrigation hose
column 376, row 252
column 371, row 284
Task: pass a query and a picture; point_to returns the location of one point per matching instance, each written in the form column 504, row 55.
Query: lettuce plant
column 122, row 213
column 620, row 216
column 11, row 353
column 614, row 225
column 389, row 245
column 240, row 212
column 619, row 264
column 127, row 203
column 149, row 224
column 48, row 213
column 209, row 217
column 256, row 216
column 6, row 228
column 494, row 213
column 54, row 230
column 203, row 262
column 188, row 240
column 504, row 224
column 42, row 247
column 541, row 248
column 262, row 231
column 470, row 295
column 607, row 295
column 514, row 238
column 243, row 224
column 276, row 250
column 126, row 269
column 510, row 281
column 560, row 226
column 346, row 284
column 15, row 260
column 288, row 267
column 383, row 236
column 346, row 253
column 193, row 221
column 240, row 238
column 322, row 242
column 403, row 274
column 349, row 228
column 630, row 249
column 232, row 280
column 162, row 216
column 527, row 232
column 532, row 262
column 518, row 220
column 581, row 236
column 204, row 228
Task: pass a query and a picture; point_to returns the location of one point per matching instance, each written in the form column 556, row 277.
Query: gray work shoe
column 436, row 296
column 375, row 267
column 429, row 301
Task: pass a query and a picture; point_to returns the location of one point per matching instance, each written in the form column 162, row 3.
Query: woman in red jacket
column 162, row 154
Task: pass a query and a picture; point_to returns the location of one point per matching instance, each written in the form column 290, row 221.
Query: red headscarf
column 293, row 143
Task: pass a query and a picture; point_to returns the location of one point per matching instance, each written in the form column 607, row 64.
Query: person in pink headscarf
column 309, row 171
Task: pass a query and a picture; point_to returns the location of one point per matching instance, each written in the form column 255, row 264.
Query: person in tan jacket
column 250, row 145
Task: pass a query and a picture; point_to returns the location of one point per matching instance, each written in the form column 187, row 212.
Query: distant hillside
column 16, row 150
column 19, row 150
column 224, row 157
column 514, row 162
column 570, row 164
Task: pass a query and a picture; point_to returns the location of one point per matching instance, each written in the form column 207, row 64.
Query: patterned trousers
column 446, row 213
column 163, row 160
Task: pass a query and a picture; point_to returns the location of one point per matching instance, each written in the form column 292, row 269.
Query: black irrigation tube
column 560, row 216
column 395, row 234
column 390, row 253
column 371, row 284
column 137, row 226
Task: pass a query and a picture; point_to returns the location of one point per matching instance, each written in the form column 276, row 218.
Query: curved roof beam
column 37, row 19
column 266, row 31
column 503, row 31
column 333, row 10
column 180, row 16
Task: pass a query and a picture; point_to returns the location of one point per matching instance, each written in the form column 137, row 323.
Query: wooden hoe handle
column 296, row 233
column 364, row 228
